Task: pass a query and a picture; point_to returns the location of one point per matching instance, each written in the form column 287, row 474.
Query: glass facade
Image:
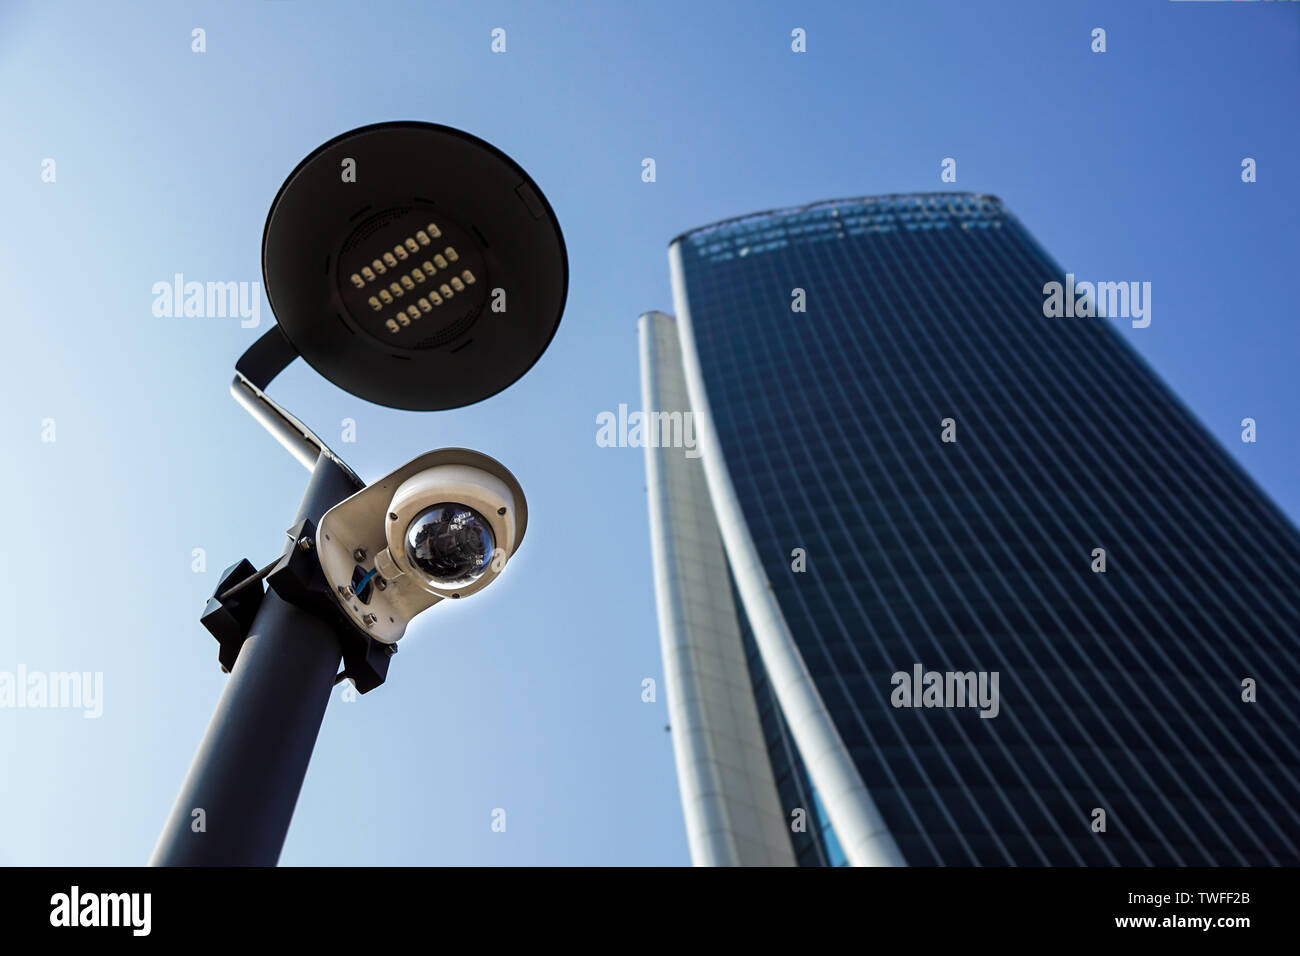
column 1119, row 691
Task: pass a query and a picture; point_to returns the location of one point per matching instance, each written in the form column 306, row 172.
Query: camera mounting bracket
column 297, row 579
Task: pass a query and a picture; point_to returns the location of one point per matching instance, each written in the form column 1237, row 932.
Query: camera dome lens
column 450, row 543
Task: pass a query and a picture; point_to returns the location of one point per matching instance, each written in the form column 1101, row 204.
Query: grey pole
column 250, row 766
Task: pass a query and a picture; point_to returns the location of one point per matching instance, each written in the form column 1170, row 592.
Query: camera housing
column 375, row 576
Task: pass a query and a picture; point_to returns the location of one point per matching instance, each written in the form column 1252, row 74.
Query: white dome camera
column 441, row 526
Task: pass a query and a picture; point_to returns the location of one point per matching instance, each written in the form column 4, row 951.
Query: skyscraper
column 955, row 578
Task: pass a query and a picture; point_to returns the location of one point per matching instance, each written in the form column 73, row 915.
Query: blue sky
column 1124, row 164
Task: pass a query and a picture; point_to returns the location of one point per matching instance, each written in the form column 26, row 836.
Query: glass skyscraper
column 946, row 580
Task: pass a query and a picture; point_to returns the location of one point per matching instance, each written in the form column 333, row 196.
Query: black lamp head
column 414, row 265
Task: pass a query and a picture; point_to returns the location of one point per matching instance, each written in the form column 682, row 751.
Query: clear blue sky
column 1125, row 165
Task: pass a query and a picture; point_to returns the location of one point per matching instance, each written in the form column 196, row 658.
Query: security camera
column 441, row 526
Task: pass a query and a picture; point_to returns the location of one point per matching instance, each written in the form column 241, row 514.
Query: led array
column 396, row 273
column 400, row 253
column 426, row 303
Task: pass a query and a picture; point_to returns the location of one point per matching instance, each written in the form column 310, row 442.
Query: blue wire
column 361, row 585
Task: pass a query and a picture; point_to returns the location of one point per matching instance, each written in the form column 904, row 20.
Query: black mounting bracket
column 297, row 579
column 228, row 615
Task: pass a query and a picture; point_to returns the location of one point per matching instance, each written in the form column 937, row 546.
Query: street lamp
column 417, row 267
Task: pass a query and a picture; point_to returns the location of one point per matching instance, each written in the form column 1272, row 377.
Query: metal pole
column 250, row 766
